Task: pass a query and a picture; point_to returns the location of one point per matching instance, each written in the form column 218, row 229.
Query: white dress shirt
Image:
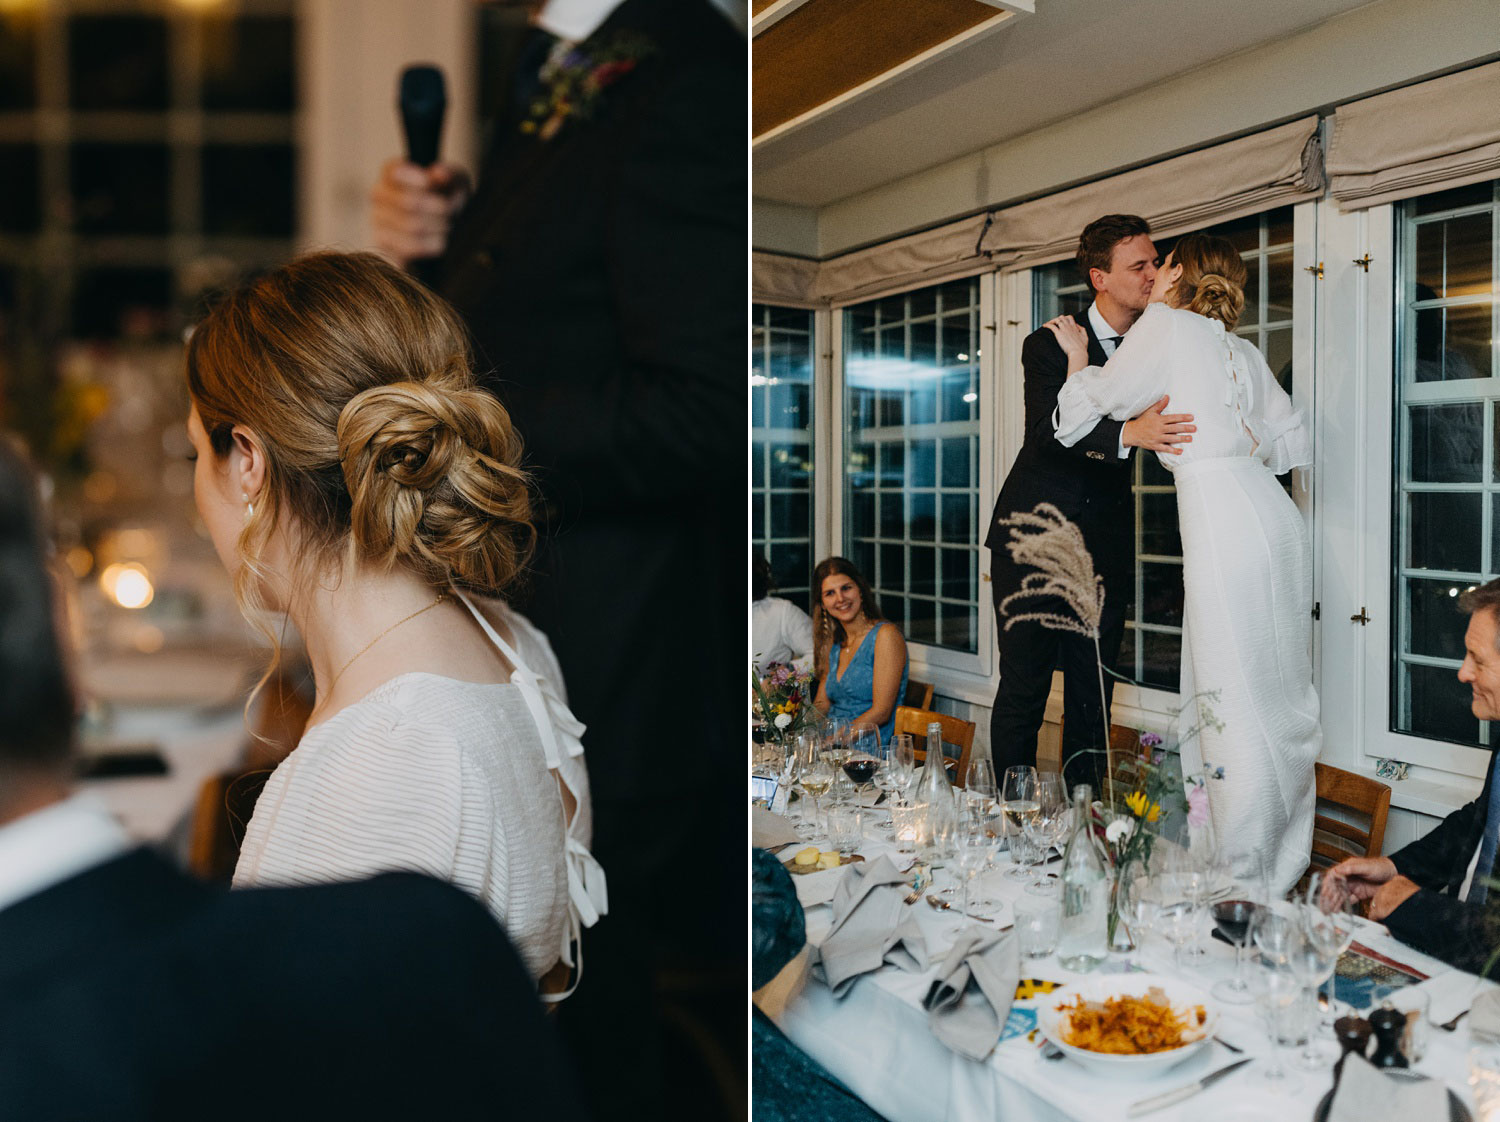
column 780, row 632
column 1106, row 336
column 48, row 846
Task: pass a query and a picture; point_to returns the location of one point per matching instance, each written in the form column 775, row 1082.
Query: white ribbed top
column 433, row 775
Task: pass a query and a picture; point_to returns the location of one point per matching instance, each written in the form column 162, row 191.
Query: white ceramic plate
column 1182, row 995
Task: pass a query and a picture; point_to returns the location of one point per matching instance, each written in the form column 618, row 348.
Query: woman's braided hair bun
column 380, row 446
column 431, row 468
column 1213, row 277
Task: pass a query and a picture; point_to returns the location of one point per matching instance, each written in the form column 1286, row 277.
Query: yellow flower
column 1154, row 813
column 1136, row 801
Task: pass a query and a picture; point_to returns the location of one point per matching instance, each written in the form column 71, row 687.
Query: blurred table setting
column 935, row 961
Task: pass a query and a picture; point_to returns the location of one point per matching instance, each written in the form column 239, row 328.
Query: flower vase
column 1121, row 907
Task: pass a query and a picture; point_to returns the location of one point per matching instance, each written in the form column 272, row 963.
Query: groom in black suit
column 599, row 265
column 1090, row 483
column 136, row 994
column 1433, row 894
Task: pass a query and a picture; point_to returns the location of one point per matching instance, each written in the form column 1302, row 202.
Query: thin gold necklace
column 441, row 596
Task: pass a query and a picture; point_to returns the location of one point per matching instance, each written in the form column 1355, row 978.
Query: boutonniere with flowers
column 575, row 76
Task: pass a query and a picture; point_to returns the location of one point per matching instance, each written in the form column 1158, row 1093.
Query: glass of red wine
column 1233, row 917
column 863, row 760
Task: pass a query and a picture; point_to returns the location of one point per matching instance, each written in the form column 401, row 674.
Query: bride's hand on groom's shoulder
column 1073, row 339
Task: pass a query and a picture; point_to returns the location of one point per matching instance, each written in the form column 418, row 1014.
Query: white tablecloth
column 876, row 1039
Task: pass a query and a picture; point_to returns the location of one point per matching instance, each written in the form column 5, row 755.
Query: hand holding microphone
column 413, row 203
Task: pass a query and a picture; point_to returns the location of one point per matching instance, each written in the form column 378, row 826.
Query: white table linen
column 877, row 1041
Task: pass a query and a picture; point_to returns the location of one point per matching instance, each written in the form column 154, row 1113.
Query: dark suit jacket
column 1088, row 482
column 601, row 274
column 135, row 993
column 1434, row 920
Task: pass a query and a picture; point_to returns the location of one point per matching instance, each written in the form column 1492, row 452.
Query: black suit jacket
column 601, row 274
column 1433, row 919
column 132, row 992
column 1088, row 482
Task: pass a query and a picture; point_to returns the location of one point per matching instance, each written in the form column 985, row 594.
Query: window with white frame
column 1151, row 652
column 1446, row 482
column 781, row 446
column 911, row 448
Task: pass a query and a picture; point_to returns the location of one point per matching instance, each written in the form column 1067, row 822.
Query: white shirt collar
column 574, row 20
column 48, row 846
column 1102, row 330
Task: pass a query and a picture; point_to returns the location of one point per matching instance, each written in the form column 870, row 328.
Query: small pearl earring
column 249, row 506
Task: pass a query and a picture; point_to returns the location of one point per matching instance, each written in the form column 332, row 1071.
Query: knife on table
column 1156, row 1102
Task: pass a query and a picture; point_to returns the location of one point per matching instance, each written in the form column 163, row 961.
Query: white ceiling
column 1072, row 55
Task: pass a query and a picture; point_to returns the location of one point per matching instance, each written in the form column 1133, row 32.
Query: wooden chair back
column 957, row 734
column 918, row 694
column 1125, row 753
column 1355, row 795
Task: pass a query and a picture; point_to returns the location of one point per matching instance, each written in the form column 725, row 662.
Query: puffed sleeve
column 1281, row 428
column 1134, row 378
column 358, row 798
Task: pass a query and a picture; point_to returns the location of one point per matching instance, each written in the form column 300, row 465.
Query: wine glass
column 1189, row 869
column 816, row 777
column 863, row 760
column 1176, row 916
column 805, row 747
column 975, row 842
column 1278, row 994
column 1314, row 959
column 1019, row 801
column 1233, row 917
column 1328, row 920
column 979, row 783
column 1048, row 827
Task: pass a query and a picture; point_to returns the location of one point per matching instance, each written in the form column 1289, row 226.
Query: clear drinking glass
column 844, row 832
column 1313, row 963
column 1038, row 921
column 1019, row 802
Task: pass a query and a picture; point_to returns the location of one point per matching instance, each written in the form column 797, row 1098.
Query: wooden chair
column 957, row 733
column 1125, row 752
column 918, row 694
column 1356, row 795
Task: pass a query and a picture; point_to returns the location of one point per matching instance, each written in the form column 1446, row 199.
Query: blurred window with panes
column 911, row 458
column 148, row 159
column 1446, row 514
column 1151, row 653
column 781, row 447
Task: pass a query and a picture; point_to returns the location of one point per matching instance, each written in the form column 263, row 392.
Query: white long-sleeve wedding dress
column 1247, row 571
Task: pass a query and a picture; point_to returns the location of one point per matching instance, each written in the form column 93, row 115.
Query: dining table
column 876, row 1038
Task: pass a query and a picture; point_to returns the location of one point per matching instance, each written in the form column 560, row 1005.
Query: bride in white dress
column 1247, row 563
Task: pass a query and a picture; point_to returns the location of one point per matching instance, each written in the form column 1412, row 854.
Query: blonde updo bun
column 1213, row 278
column 380, row 448
column 430, row 468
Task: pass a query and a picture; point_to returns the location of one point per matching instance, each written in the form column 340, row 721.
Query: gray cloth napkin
column 1367, row 1095
column 1484, row 1015
column 871, row 926
column 969, row 1003
column 768, row 829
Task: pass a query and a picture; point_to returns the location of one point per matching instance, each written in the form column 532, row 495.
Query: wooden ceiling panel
column 826, row 48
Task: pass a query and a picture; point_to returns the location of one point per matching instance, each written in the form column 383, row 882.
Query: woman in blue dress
column 859, row 658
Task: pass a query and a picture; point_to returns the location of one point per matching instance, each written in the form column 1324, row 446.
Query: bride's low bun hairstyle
column 430, row 468
column 1213, row 278
column 379, row 446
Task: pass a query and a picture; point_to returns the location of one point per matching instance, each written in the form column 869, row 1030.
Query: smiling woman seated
column 859, row 657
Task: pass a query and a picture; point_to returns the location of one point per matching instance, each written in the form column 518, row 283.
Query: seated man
column 1431, row 893
column 133, row 992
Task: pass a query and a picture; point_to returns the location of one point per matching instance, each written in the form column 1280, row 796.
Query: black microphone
column 422, row 101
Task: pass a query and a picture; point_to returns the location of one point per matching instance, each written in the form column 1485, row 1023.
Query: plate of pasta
column 1128, row 1026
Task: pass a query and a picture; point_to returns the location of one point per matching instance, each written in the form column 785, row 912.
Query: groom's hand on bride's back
column 1159, row 431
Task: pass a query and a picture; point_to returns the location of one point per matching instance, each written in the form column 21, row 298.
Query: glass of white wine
column 1019, row 802
column 816, row 777
column 1048, row 827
